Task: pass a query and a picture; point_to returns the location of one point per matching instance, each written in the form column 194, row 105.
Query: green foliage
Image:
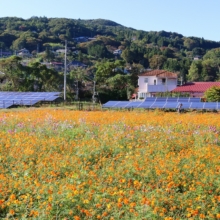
column 213, row 94
column 163, row 50
column 195, row 71
column 157, row 61
column 49, row 55
column 28, row 78
column 98, row 51
column 128, row 55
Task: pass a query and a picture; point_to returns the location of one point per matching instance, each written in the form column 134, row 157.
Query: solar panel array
column 164, row 103
column 8, row 99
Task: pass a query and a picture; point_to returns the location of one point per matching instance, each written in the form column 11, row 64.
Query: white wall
column 142, row 85
column 159, row 87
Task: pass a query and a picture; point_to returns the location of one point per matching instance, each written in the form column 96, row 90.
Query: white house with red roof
column 195, row 89
column 154, row 81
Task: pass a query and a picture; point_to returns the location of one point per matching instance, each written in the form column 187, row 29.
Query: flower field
column 63, row 164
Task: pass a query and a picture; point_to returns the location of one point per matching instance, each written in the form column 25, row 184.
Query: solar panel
column 161, row 99
column 211, row 105
column 172, row 105
column 26, row 98
column 171, row 99
column 197, row 105
column 185, row 105
column 50, row 98
column 150, row 99
column 25, row 93
column 122, row 104
column 182, row 99
column 159, row 104
column 110, row 104
column 134, row 104
column 145, row 105
column 6, row 104
column 195, row 100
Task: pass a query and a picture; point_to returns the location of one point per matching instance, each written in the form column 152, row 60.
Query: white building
column 155, row 81
column 24, row 53
column 117, row 52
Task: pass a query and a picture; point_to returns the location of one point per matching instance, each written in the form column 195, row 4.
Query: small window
column 146, row 80
column 155, row 82
column 163, row 81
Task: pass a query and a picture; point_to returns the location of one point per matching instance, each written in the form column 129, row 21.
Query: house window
column 146, row 80
column 155, row 82
column 163, row 81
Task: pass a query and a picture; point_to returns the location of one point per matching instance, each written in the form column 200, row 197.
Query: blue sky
column 199, row 18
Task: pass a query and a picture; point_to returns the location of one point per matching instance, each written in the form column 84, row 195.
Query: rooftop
column 196, row 86
column 159, row 74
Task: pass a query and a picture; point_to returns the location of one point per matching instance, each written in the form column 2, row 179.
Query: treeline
column 193, row 58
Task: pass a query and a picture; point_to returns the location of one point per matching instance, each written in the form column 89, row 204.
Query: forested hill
column 17, row 32
column 148, row 49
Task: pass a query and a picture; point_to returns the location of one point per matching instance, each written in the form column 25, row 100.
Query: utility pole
column 77, row 90
column 181, row 80
column 37, row 48
column 64, row 88
column 94, row 93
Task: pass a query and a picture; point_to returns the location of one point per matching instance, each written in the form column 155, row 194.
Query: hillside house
column 24, row 53
column 197, row 57
column 83, row 39
column 61, row 51
column 5, row 53
column 76, row 64
column 117, row 52
column 195, row 89
column 155, row 81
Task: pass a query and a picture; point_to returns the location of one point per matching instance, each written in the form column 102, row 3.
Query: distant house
column 83, row 39
column 117, row 52
column 24, row 53
column 57, row 65
column 5, row 53
column 195, row 89
column 61, row 51
column 154, row 81
column 47, row 64
column 76, row 52
column 76, row 64
column 122, row 70
column 197, row 57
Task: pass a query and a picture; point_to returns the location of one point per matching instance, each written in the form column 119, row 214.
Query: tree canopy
column 93, row 43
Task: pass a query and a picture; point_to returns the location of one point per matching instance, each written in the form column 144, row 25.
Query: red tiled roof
column 196, row 87
column 159, row 74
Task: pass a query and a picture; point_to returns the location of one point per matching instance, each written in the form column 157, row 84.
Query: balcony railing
column 158, row 88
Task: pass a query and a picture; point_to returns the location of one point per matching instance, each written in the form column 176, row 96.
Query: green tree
column 157, row 61
column 128, row 55
column 13, row 71
column 195, row 71
column 49, row 55
column 209, row 70
column 213, row 94
column 171, row 65
column 75, row 82
column 98, row 51
column 190, row 43
column 104, row 70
